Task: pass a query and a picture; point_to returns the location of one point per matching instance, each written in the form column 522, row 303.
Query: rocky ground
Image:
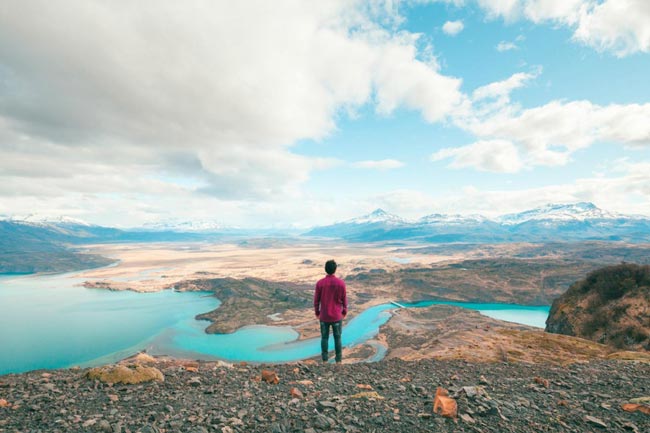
column 390, row 396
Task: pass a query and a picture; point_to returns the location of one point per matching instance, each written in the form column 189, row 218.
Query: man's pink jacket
column 330, row 299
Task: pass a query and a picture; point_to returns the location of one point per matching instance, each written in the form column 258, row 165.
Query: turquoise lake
column 50, row 321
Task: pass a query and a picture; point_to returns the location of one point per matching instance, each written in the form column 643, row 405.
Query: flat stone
column 595, row 421
column 640, row 400
column 104, row 426
column 467, row 418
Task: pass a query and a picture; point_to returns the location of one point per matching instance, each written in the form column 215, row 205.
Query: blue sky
column 301, row 113
column 569, row 71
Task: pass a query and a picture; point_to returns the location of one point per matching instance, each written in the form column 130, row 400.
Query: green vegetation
column 612, row 282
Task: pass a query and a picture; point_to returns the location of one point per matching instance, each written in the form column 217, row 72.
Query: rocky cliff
column 610, row 306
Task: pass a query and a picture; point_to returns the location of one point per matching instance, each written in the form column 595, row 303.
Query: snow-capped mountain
column 378, row 216
column 553, row 222
column 437, row 218
column 196, row 226
column 35, row 219
column 560, row 212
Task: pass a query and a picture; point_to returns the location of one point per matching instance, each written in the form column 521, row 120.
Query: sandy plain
column 153, row 267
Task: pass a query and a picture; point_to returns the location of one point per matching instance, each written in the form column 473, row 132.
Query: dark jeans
column 325, row 336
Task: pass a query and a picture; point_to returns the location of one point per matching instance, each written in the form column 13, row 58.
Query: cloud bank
column 618, row 26
column 204, row 98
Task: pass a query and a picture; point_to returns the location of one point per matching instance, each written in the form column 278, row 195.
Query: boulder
column 367, row 394
column 270, row 377
column 143, row 358
column 541, row 381
column 125, row 374
column 635, row 407
column 445, row 405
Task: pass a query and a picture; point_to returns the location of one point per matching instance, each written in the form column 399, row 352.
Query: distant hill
column 29, row 245
column 34, row 244
column 554, row 222
column 610, row 306
column 26, row 248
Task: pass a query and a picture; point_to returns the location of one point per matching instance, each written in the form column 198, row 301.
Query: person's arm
column 317, row 300
column 344, row 301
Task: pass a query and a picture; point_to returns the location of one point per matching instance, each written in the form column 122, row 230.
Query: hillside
column 611, row 306
column 390, row 396
column 28, row 249
column 51, row 246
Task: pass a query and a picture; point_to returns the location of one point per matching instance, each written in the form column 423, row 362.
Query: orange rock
column 192, row 369
column 270, row 376
column 543, row 382
column 445, row 405
column 296, row 370
column 405, row 379
column 309, row 362
column 632, row 407
column 362, row 386
column 4, row 403
column 306, row 382
column 562, row 403
column 295, row 393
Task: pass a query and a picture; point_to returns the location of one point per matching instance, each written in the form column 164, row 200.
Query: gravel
column 389, row 396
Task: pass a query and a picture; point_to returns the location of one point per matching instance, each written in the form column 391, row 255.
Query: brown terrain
column 610, row 306
column 444, row 332
column 270, row 283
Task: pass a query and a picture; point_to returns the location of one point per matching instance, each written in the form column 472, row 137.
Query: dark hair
column 330, row 267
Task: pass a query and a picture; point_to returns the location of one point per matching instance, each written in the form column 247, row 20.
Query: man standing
column 330, row 306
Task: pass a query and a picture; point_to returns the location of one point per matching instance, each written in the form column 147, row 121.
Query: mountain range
column 553, row 222
column 32, row 244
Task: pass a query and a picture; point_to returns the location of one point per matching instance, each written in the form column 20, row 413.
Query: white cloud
column 406, row 203
column 566, row 11
column 502, row 89
column 620, row 26
column 452, row 28
column 383, row 164
column 550, row 134
column 626, row 190
column 98, row 98
column 546, row 135
column 506, row 46
column 507, row 9
column 486, row 155
column 401, row 80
